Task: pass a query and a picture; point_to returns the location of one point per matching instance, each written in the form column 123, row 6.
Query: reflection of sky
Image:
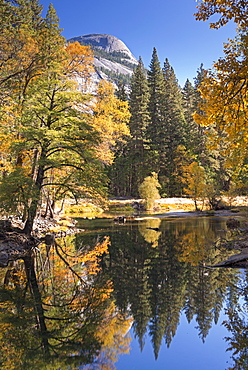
column 187, row 351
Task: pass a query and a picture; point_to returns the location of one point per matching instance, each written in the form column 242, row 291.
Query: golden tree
column 227, row 10
column 196, row 183
column 224, row 90
column 148, row 190
column 110, row 118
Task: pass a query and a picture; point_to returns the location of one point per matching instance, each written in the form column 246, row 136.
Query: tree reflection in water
column 158, row 276
column 78, row 303
column 56, row 310
column 237, row 325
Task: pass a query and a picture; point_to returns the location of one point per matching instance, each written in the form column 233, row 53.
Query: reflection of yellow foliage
column 193, row 248
column 91, row 259
column 112, row 325
column 70, row 292
column 70, row 268
column 9, row 356
column 150, row 236
column 113, row 333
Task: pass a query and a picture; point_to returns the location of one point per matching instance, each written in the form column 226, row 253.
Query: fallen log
column 236, row 261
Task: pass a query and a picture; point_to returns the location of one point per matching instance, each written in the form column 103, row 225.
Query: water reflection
column 73, row 303
column 56, row 310
column 157, row 275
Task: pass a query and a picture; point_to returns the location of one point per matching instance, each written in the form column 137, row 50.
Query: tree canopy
column 51, row 139
column 227, row 10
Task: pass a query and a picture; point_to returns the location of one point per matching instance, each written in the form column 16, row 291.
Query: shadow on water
column 72, row 304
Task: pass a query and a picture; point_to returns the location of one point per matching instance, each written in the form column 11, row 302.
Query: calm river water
column 132, row 296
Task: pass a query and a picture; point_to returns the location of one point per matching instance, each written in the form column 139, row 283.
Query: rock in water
column 4, row 259
column 232, row 223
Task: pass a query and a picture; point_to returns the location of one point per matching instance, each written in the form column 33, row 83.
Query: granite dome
column 108, row 43
column 113, row 60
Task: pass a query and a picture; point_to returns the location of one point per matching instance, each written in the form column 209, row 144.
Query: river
column 135, row 295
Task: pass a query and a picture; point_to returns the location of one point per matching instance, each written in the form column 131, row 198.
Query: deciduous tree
column 227, row 10
column 195, row 177
column 224, row 88
column 110, row 117
column 148, row 190
column 49, row 128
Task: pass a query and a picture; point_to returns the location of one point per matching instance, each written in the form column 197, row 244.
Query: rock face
column 108, row 43
column 113, row 60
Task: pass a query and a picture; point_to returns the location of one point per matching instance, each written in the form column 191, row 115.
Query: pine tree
column 174, row 132
column 129, row 168
column 139, row 120
column 121, row 92
column 52, row 42
column 155, row 128
column 139, row 99
column 192, row 138
column 166, row 130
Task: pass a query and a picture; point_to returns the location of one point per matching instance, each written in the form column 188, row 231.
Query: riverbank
column 179, row 207
column 15, row 245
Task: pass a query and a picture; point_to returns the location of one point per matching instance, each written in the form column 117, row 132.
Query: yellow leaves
column 148, row 190
column 64, row 260
column 80, row 61
column 113, row 333
column 193, row 249
column 195, row 179
column 226, row 9
column 110, row 119
column 19, row 53
column 149, row 229
column 91, row 259
column 224, row 93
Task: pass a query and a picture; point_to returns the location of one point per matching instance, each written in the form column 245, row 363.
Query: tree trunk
column 35, row 201
column 31, row 275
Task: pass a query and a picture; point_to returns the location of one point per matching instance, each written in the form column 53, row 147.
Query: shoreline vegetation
column 14, row 244
column 234, row 209
column 64, row 220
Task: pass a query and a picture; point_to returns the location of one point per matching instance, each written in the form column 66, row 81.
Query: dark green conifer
column 189, row 105
column 139, row 99
column 174, row 133
column 129, row 168
column 155, row 129
column 121, row 92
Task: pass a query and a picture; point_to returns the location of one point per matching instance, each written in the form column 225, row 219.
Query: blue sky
column 168, row 25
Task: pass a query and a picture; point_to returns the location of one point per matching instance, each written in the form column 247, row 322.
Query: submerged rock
column 232, row 223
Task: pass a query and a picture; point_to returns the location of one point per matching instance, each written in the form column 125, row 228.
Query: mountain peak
column 108, row 43
column 112, row 58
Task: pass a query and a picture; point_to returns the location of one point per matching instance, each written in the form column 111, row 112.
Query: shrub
column 148, row 190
